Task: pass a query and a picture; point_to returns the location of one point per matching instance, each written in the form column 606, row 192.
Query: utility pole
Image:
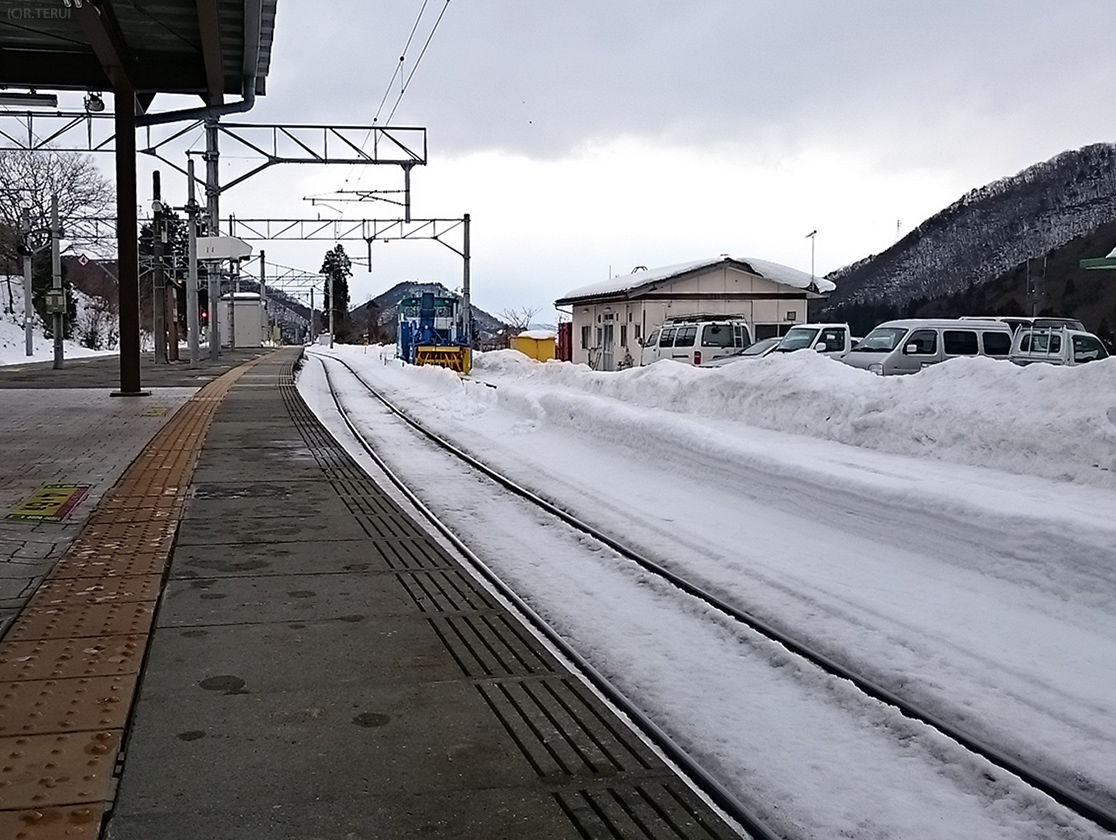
column 313, row 315
column 332, row 304
column 25, row 233
column 263, row 296
column 192, row 325
column 159, row 284
column 465, row 299
column 212, row 204
column 56, row 281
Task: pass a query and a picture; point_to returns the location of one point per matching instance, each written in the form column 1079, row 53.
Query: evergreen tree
column 337, row 268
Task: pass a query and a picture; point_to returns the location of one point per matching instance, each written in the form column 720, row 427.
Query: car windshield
column 796, row 339
column 881, row 340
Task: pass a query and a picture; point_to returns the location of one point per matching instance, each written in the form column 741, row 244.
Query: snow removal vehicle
column 433, row 331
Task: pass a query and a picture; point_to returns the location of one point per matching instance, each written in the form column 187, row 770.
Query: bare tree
column 28, row 179
column 519, row 319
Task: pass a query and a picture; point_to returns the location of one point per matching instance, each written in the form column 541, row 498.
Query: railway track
column 1071, row 799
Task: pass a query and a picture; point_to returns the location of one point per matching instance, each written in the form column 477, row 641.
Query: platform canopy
column 1107, row 262
column 210, row 48
column 137, row 49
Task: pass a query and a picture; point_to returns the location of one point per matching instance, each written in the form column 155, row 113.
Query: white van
column 907, row 346
column 828, row 339
column 696, row 339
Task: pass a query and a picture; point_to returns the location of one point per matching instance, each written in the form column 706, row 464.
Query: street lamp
column 811, row 236
column 28, row 100
column 93, row 103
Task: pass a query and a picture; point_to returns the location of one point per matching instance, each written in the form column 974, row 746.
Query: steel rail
column 1066, row 796
column 696, row 774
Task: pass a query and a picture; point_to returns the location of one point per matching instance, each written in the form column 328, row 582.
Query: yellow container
column 535, row 345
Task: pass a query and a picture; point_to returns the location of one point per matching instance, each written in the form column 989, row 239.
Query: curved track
column 1067, row 797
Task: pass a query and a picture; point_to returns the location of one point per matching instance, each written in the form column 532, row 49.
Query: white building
column 248, row 321
column 610, row 318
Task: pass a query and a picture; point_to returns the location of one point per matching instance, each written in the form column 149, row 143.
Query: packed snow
column 949, row 533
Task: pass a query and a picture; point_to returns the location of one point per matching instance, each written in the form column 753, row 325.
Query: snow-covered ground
column 951, row 534
column 13, row 341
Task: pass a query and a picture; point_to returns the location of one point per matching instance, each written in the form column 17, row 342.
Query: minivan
column 907, row 346
column 828, row 339
column 695, row 339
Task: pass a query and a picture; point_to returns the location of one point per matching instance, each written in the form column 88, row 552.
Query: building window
column 585, row 338
column 623, row 335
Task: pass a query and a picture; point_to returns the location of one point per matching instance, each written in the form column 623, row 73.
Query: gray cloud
column 540, row 79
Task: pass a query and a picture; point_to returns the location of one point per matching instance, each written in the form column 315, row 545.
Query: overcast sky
column 588, row 137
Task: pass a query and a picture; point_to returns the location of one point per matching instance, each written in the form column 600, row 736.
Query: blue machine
column 428, row 321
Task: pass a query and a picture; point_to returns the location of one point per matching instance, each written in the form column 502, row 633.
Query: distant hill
column 381, row 314
column 1058, row 209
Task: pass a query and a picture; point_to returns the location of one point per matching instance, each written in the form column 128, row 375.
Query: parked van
column 828, row 339
column 695, row 339
column 1017, row 321
column 907, row 346
column 1056, row 345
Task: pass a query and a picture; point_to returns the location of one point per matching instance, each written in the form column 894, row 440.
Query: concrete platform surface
column 316, row 666
column 65, row 427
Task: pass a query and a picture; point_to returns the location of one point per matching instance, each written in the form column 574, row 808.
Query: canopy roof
column 205, row 47
column 1108, row 262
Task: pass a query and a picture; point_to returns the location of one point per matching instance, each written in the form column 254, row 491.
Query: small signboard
column 55, row 301
column 50, row 503
column 222, row 248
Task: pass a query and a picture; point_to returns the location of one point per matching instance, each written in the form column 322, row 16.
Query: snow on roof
column 537, row 335
column 783, row 274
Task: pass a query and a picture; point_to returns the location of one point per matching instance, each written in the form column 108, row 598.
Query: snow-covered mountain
column 987, row 233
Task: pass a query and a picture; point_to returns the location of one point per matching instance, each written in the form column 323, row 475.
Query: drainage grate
column 389, row 527
column 445, row 590
column 561, row 732
column 641, row 811
column 490, row 644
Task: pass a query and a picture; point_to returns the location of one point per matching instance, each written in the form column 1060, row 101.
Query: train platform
column 233, row 632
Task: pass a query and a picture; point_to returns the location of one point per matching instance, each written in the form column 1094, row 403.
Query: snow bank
column 1039, row 420
column 13, row 346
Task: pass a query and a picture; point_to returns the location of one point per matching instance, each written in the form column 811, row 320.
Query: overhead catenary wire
column 398, row 74
column 418, row 60
column 402, row 59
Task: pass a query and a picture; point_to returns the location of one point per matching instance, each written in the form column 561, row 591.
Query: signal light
column 697, row 357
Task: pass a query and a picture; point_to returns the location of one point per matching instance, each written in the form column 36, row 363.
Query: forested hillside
column 1059, row 210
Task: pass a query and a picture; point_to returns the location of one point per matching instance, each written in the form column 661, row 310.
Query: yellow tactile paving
column 70, row 662
column 82, row 621
column 42, row 771
column 65, row 705
column 69, row 658
column 82, row 822
column 117, row 589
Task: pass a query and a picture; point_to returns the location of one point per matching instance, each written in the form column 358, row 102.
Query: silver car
column 908, row 346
